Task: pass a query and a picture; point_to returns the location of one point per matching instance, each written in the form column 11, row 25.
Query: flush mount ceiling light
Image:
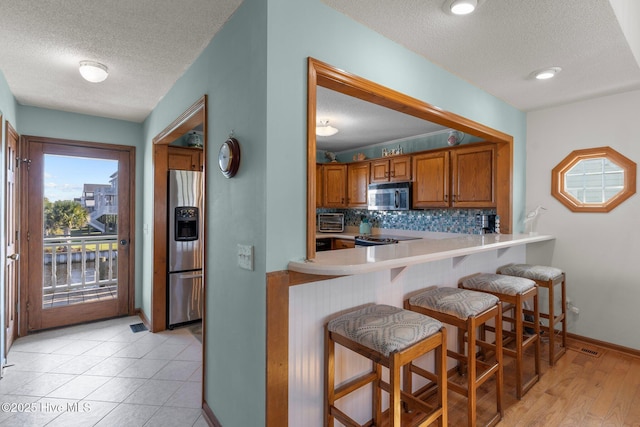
column 546, row 73
column 324, row 129
column 463, row 7
column 93, row 72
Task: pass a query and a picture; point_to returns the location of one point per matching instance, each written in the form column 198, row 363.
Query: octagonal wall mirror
column 593, row 180
column 323, row 78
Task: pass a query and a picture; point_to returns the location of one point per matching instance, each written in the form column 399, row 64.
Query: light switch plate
column 245, row 257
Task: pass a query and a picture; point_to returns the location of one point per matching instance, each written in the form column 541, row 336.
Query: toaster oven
column 331, row 222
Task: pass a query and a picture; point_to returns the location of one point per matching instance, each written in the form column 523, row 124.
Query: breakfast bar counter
column 411, row 252
column 300, row 306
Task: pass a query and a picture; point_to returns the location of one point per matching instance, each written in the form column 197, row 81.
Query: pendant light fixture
column 93, row 72
column 325, row 130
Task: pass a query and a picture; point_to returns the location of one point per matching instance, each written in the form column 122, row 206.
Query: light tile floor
column 103, row 374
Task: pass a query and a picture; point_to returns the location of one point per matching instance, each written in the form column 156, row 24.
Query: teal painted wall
column 254, row 72
column 409, row 145
column 8, row 112
column 232, row 71
column 36, row 121
column 306, row 28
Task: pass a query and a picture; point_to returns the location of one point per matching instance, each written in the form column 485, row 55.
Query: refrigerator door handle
column 195, row 275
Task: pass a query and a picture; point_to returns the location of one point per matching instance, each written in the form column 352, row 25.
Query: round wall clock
column 229, row 157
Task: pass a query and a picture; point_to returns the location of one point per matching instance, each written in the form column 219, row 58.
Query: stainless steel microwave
column 391, row 196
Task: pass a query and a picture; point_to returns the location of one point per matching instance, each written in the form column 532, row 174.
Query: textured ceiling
column 362, row 123
column 498, row 46
column 147, row 45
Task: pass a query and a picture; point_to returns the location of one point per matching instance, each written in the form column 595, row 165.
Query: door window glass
column 80, row 230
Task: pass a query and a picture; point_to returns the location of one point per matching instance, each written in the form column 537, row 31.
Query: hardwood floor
column 581, row 390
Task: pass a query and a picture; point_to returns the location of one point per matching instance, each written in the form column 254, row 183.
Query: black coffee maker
column 486, row 223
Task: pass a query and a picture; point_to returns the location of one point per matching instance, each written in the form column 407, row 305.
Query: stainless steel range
column 380, row 239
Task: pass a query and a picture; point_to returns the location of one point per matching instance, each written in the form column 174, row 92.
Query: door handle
column 123, row 242
column 14, row 257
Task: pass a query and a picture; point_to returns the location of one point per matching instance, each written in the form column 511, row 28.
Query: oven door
column 323, row 244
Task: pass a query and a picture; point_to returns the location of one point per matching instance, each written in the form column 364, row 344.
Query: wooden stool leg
column 443, row 377
column 395, row 407
column 471, row 372
column 500, row 373
column 329, row 379
column 462, row 366
column 552, row 324
column 519, row 327
column 536, row 330
column 377, row 396
column 563, row 291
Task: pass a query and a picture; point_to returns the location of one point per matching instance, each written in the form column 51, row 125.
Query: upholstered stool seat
column 513, row 292
column 468, row 311
column 547, row 277
column 391, row 337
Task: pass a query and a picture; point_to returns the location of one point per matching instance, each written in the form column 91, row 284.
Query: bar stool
column 391, row 337
column 513, row 292
column 546, row 277
column 468, row 311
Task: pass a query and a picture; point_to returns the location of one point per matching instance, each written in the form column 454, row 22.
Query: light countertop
column 368, row 259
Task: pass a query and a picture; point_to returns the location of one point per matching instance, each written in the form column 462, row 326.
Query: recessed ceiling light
column 93, row 72
column 546, row 73
column 463, row 7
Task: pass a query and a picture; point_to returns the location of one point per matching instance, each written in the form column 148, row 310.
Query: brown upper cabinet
column 431, row 180
column 183, row 158
column 391, row 169
column 357, row 184
column 463, row 177
column 319, row 186
column 473, row 171
column 334, row 185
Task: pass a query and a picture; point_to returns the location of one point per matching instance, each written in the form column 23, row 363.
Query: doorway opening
column 170, row 154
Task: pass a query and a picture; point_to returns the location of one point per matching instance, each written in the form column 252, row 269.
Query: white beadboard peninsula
column 377, row 274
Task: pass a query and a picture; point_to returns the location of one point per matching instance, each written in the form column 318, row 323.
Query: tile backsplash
column 437, row 220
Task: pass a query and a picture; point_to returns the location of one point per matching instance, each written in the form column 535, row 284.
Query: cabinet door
column 319, row 180
column 380, row 171
column 181, row 158
column 400, row 168
column 343, row 244
column 358, row 183
column 334, row 185
column 431, row 180
column 473, row 177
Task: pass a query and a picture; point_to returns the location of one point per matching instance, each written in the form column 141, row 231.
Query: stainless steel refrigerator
column 185, row 252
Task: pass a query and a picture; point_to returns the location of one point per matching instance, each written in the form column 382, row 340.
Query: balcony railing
column 79, row 269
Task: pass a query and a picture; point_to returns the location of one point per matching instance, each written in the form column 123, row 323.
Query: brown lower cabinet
column 343, row 244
